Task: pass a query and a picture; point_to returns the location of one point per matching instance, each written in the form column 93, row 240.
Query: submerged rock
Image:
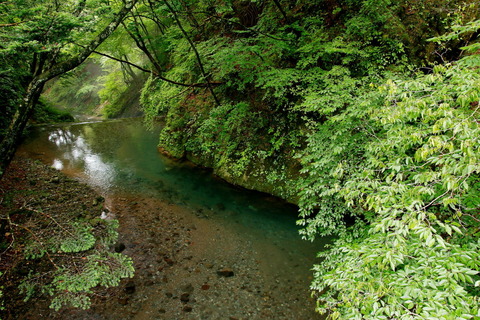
column 225, row 272
column 188, row 288
column 185, row 297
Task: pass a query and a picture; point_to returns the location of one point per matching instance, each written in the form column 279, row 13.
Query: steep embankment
column 278, row 74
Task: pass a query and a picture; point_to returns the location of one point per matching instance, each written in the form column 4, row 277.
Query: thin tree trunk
column 142, row 46
column 18, row 123
column 197, row 55
column 35, row 87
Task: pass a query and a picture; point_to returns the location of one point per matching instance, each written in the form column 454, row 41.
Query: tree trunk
column 35, row 87
column 18, row 123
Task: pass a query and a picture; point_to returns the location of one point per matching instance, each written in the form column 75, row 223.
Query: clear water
column 121, row 157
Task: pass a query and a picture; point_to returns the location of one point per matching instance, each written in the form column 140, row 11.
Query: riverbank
column 186, row 267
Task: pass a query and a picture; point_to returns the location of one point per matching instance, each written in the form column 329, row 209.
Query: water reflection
column 57, row 164
column 122, row 156
column 61, row 137
column 73, row 149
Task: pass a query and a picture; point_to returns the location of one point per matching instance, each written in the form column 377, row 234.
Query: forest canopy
column 364, row 113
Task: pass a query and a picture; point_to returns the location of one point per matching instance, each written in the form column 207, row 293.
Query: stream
column 203, row 249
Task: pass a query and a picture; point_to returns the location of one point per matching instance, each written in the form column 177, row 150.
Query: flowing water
column 230, row 227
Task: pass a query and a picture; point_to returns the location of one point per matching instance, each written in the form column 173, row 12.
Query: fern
column 79, row 239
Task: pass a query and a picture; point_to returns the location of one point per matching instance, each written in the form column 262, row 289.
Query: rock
column 130, row 287
column 225, row 272
column 119, row 247
column 185, row 297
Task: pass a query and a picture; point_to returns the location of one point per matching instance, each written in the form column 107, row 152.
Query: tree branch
column 156, row 75
column 11, row 24
column 125, row 62
column 192, row 45
column 279, row 6
column 78, row 59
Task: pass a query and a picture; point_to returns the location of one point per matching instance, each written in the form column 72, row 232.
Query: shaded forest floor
column 185, row 269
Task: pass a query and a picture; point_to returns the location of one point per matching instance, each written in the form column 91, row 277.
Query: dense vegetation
column 365, row 113
column 39, row 41
column 389, row 155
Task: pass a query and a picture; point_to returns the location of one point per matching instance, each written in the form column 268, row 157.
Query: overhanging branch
column 155, row 74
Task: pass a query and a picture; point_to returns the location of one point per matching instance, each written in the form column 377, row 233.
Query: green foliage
column 72, row 287
column 114, row 86
column 80, row 239
column 45, row 113
column 385, row 276
column 82, row 263
column 101, row 269
column 76, row 91
column 156, row 98
column 416, row 179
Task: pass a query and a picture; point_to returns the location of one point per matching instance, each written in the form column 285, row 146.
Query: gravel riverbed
column 186, row 266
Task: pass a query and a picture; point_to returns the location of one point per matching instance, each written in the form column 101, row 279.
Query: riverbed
column 203, row 249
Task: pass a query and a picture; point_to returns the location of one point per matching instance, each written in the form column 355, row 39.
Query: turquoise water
column 121, row 156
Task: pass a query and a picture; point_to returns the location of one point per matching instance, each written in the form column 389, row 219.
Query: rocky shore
column 185, row 267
